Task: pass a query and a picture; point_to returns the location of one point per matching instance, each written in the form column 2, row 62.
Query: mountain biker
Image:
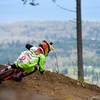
column 31, row 59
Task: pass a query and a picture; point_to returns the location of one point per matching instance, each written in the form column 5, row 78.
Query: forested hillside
column 14, row 36
column 53, row 30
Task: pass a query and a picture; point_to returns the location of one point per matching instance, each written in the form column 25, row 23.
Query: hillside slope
column 49, row 86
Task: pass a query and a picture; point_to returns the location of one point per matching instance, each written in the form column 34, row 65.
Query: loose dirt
column 48, row 86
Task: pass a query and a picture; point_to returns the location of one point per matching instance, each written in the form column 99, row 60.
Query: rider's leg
column 8, row 67
column 5, row 69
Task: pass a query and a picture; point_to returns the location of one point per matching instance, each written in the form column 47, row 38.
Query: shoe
column 0, row 80
column 17, row 79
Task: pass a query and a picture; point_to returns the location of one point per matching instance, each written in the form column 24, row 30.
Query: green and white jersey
column 28, row 59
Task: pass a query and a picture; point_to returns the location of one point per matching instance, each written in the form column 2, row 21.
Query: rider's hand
column 41, row 72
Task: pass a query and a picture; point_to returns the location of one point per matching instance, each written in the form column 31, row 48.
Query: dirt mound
column 49, row 86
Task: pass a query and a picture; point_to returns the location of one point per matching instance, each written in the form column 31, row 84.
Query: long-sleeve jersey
column 28, row 59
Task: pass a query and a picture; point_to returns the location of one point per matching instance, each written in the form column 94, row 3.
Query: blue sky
column 14, row 10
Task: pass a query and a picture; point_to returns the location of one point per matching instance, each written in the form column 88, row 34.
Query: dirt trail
column 49, row 86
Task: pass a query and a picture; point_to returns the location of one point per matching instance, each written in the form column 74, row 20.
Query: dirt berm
column 49, row 86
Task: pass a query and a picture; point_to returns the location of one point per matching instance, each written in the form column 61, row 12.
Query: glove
column 41, row 72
